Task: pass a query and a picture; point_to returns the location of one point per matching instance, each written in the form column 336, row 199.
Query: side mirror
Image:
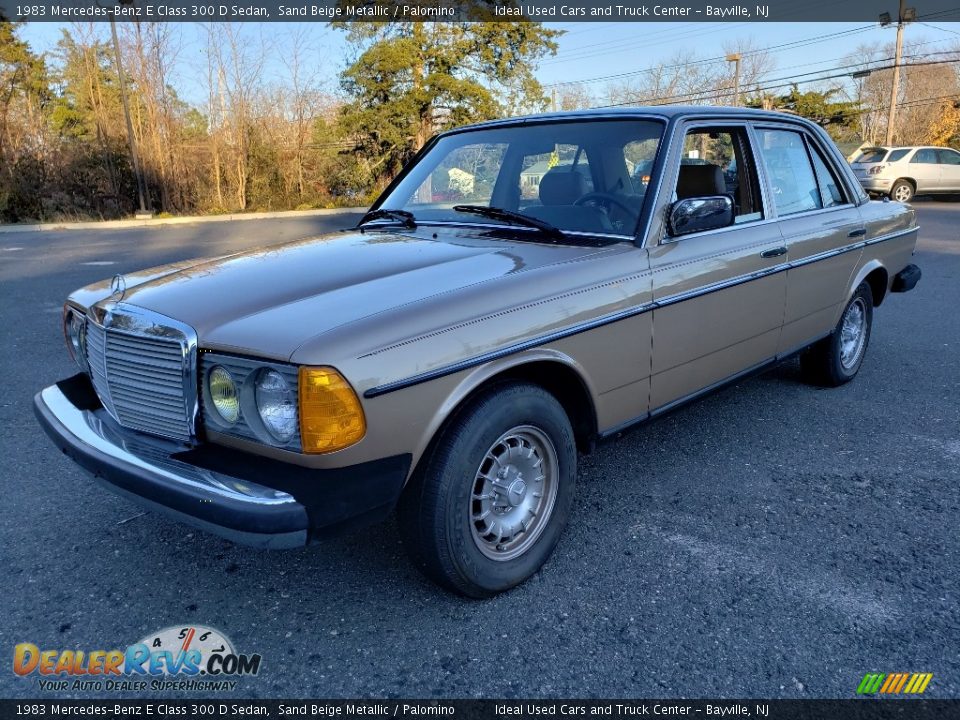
column 700, row 213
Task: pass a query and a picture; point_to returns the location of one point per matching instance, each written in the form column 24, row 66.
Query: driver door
column 720, row 293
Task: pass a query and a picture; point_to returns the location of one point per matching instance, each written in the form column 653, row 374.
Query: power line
column 941, row 29
column 720, row 58
column 689, row 30
column 708, row 94
column 920, row 102
column 577, row 55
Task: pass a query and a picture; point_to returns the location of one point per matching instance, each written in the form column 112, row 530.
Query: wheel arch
column 905, row 178
column 877, row 276
column 554, row 371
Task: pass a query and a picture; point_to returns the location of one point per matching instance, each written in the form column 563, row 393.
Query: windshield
column 578, row 177
column 872, row 155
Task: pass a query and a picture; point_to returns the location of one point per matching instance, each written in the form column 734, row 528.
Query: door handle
column 774, row 252
column 860, row 232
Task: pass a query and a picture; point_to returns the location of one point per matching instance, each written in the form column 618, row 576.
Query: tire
column 837, row 358
column 902, row 191
column 451, row 514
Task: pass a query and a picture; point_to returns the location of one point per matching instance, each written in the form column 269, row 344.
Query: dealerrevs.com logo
column 176, row 658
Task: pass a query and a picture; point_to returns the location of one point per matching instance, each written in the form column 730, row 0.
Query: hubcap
column 902, row 193
column 514, row 492
column 853, row 333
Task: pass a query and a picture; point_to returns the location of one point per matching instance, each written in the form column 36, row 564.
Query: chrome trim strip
column 91, row 430
column 721, row 285
column 620, row 315
column 509, row 350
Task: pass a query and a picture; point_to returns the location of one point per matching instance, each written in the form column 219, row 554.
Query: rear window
column 896, row 155
column 871, row 155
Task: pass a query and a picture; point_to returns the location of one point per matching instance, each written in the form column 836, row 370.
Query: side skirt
column 618, row 430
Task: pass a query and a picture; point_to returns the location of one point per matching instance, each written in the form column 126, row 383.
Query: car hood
column 269, row 301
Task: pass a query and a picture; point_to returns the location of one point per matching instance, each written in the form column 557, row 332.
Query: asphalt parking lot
column 772, row 540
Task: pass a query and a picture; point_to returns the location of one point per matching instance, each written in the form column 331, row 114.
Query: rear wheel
column 902, row 191
column 837, row 358
column 486, row 509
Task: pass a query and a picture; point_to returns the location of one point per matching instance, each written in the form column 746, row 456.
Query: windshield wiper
column 514, row 218
column 405, row 218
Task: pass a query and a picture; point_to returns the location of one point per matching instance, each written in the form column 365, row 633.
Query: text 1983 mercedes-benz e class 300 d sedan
column 524, row 288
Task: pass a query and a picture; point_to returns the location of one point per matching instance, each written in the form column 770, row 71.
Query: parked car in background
column 449, row 358
column 900, row 173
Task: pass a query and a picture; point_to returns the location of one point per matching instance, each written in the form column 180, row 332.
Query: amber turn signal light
column 331, row 417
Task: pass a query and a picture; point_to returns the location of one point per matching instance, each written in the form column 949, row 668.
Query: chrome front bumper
column 146, row 470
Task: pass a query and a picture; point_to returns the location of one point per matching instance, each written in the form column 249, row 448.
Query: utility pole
column 131, row 139
column 735, row 59
column 904, row 15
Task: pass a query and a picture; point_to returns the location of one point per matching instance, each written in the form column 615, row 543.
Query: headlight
column 75, row 333
column 223, row 394
column 331, row 417
column 276, row 404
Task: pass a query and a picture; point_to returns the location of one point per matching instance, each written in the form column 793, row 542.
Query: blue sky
column 587, row 50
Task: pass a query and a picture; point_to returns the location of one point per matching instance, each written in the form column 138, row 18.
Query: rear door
column 822, row 229
column 925, row 169
column 949, row 169
column 719, row 294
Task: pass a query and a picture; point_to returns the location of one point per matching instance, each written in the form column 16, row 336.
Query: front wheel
column 836, row 359
column 486, row 509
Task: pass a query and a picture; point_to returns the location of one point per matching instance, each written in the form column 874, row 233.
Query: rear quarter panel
column 891, row 240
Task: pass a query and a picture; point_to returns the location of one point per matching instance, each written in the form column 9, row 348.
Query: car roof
column 664, row 111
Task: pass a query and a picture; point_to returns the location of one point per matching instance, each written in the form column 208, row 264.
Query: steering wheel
column 606, row 201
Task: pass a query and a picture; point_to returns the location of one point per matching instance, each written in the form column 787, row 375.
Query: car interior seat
column 560, row 188
column 700, row 181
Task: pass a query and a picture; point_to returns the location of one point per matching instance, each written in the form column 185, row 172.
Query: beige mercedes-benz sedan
column 524, row 289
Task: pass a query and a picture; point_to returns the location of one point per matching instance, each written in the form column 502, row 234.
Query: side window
column 897, row 155
column 925, row 156
column 830, row 187
column 795, row 187
column 717, row 161
column 949, row 157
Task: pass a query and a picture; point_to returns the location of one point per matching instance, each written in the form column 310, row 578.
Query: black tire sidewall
column 893, row 191
column 478, row 430
column 837, row 369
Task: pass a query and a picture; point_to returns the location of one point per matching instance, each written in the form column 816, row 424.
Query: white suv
column 903, row 172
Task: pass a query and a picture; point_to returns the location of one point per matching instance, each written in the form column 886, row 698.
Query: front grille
column 142, row 380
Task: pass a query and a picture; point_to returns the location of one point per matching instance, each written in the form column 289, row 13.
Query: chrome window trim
column 644, row 221
column 468, row 363
column 757, row 223
column 830, row 154
column 133, row 320
column 684, row 127
column 671, row 240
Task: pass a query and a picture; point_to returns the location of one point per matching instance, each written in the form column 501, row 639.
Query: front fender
column 477, row 377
